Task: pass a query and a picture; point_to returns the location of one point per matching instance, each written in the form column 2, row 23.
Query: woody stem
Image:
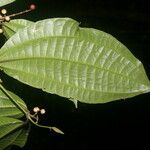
column 20, row 13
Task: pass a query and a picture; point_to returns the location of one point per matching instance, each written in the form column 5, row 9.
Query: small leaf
column 17, row 137
column 57, row 130
column 10, row 28
column 5, row 2
column 82, row 64
column 8, row 124
column 22, row 137
column 12, row 130
column 11, row 104
column 7, row 108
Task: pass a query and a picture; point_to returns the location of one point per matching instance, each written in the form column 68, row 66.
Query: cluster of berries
column 3, row 18
column 37, row 109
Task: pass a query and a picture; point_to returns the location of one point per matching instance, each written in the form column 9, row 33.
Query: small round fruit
column 36, row 109
column 43, row 111
column 1, row 31
column 3, row 11
column 32, row 7
column 7, row 18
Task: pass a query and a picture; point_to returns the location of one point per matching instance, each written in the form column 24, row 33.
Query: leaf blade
column 12, row 131
column 5, row 2
column 10, row 28
column 7, row 108
column 9, row 101
column 17, row 137
column 8, row 124
column 83, row 64
column 22, row 137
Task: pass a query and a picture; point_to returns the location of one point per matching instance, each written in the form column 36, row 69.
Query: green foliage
column 17, row 137
column 59, row 57
column 7, row 108
column 12, row 130
column 83, row 64
column 5, row 2
column 10, row 28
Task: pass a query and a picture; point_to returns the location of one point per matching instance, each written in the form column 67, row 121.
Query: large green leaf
column 8, row 124
column 21, row 138
column 11, row 105
column 18, row 138
column 82, row 64
column 12, row 131
column 10, row 28
column 8, row 108
column 5, row 2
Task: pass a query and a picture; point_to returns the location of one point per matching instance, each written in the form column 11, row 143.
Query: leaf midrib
column 2, row 52
column 72, row 85
column 65, row 60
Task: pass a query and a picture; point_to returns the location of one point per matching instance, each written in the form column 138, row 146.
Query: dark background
column 115, row 125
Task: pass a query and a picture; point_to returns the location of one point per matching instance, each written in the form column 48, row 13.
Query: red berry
column 32, row 6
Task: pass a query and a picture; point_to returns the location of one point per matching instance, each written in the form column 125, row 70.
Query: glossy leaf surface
column 82, row 64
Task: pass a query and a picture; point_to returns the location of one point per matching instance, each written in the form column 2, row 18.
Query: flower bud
column 1, row 31
column 3, row 11
column 36, row 109
column 43, row 111
column 7, row 18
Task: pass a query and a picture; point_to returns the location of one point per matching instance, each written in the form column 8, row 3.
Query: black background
column 115, row 125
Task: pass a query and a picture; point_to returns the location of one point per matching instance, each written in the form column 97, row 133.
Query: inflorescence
column 6, row 18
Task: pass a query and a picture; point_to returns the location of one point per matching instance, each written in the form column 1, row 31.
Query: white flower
column 43, row 111
column 36, row 109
